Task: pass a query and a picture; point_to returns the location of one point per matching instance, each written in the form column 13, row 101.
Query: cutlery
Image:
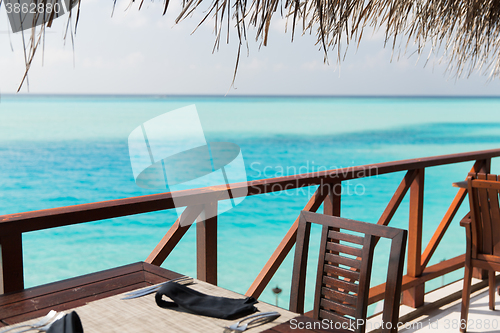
column 184, row 280
column 42, row 322
column 259, row 318
column 44, row 328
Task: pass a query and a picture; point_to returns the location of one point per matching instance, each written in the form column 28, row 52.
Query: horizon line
column 238, row 96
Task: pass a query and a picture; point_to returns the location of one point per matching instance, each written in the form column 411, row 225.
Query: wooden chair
column 344, row 270
column 482, row 232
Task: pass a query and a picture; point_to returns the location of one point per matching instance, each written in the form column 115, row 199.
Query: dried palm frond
column 36, row 23
column 465, row 33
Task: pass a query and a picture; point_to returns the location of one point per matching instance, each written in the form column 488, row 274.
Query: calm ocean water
column 60, row 151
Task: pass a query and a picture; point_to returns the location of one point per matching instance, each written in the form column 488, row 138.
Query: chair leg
column 465, row 298
column 492, row 283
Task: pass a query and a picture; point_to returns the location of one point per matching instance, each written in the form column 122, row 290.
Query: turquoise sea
column 66, row 150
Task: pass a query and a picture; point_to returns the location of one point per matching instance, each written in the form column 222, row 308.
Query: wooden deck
column 441, row 311
column 447, row 317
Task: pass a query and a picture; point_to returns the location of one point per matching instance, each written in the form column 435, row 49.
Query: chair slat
column 339, row 271
column 365, row 275
column 342, row 260
column 485, row 184
column 489, row 257
column 335, row 317
column 338, row 295
column 337, row 307
column 319, row 274
column 485, row 216
column 344, row 249
column 332, row 282
column 345, row 237
column 485, row 264
column 475, row 216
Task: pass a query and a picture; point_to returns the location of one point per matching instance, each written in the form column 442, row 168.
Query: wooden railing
column 203, row 201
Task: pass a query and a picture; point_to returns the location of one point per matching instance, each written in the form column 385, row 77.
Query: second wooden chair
column 482, row 236
column 344, row 271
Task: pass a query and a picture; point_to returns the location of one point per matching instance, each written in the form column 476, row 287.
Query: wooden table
column 97, row 300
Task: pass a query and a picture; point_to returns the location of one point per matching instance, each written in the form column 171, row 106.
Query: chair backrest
column 344, row 270
column 485, row 213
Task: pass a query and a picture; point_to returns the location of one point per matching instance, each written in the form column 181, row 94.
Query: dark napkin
column 70, row 323
column 205, row 305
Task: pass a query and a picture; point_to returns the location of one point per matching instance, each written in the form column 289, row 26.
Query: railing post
column 206, row 244
column 485, row 166
column 414, row 297
column 331, row 205
column 11, row 263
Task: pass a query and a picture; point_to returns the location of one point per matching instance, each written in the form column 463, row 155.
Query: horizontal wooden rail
column 57, row 217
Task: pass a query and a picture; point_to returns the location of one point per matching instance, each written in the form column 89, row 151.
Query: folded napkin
column 70, row 323
column 205, row 305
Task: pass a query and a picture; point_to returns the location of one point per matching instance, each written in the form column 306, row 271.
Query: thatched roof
column 463, row 33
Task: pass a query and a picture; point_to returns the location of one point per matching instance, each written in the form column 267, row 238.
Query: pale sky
column 143, row 52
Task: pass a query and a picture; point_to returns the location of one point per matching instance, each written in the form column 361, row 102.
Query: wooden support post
column 414, row 297
column 331, row 205
column 485, row 166
column 206, row 244
column 11, row 263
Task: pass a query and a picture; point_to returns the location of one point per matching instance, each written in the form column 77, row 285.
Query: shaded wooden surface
column 11, row 262
column 38, row 301
column 344, row 270
column 482, row 235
